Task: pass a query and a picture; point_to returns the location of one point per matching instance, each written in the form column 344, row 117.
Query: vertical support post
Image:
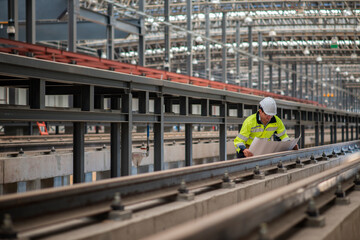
column 270, row 74
column 302, row 139
column 222, row 133
column 237, row 53
column 126, row 134
column 294, row 80
column 78, row 152
column 279, row 76
column 335, row 128
column 321, row 81
column 30, row 22
column 250, row 64
column 312, row 82
column 141, row 49
column 287, row 75
column 37, row 93
column 205, row 107
column 317, row 123
column 317, row 81
column 357, row 127
column 301, row 82
column 110, row 33
column 347, row 127
column 260, row 62
column 144, row 102
column 322, row 128
column 307, row 80
column 87, row 98
column 207, row 44
column 73, row 11
column 167, row 64
column 159, row 134
column 13, row 20
column 224, row 49
column 115, row 155
column 189, row 68
column 298, row 124
column 188, row 144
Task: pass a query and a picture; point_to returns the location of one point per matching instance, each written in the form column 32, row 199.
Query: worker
column 263, row 124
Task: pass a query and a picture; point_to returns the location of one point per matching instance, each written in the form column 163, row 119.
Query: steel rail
column 38, row 208
column 225, row 224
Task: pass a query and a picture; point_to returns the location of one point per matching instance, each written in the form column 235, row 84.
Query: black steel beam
column 126, row 135
column 78, row 152
column 37, row 94
column 159, row 135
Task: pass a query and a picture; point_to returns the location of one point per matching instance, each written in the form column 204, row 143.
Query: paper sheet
column 262, row 146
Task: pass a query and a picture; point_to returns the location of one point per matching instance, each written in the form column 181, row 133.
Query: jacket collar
column 258, row 120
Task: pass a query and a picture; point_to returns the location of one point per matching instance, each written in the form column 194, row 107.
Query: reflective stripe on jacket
column 253, row 127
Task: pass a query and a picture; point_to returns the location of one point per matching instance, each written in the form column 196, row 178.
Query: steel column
column 115, row 138
column 78, row 152
column 317, row 81
column 321, row 81
column 37, row 93
column 30, row 22
column 322, row 128
column 144, row 102
column 13, row 20
column 141, row 49
column 188, row 144
column 110, row 33
column 301, row 82
column 250, row 64
column 294, row 76
column 115, row 164
column 207, row 44
column 237, row 53
column 126, row 135
column 224, row 48
column 87, row 98
column 347, row 127
column 223, row 132
column 335, row 128
column 167, row 64
column 159, row 134
column 287, row 75
column 270, row 74
column 205, row 107
column 307, row 80
column 279, row 76
column 189, row 67
column 73, row 11
column 260, row 62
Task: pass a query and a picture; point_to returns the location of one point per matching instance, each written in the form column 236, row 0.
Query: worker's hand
column 296, row 147
column 247, row 153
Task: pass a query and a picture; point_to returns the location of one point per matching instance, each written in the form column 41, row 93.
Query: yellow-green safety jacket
column 253, row 127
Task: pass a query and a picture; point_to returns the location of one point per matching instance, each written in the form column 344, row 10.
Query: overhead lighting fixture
column 352, row 78
column 319, row 59
column 346, row 73
column 231, row 51
column 337, row 69
column 248, row 20
column 212, row 79
column 353, row 56
column 133, row 62
column 195, row 61
column 272, row 33
column 358, row 80
column 306, row 51
column 178, row 70
column 231, row 72
column 199, row 39
column 196, row 74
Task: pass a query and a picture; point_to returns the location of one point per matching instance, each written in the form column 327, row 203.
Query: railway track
column 94, row 202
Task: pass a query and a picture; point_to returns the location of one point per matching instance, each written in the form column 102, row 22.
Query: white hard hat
column 268, row 104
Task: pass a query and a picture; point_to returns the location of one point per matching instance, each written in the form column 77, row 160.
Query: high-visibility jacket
column 253, row 127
